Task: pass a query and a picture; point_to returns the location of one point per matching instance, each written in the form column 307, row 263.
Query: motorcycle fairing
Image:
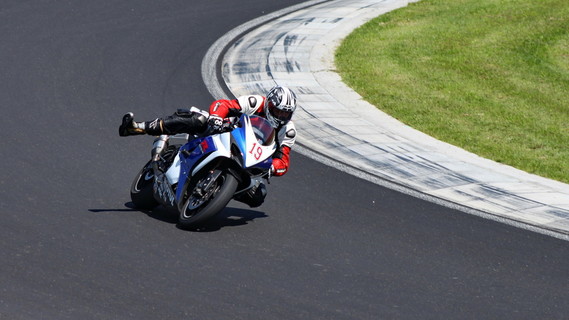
column 192, row 155
column 256, row 150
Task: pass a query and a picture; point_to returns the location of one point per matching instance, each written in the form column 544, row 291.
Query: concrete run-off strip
column 295, row 47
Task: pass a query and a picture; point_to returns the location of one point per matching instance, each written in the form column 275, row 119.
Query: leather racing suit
column 254, row 105
column 185, row 121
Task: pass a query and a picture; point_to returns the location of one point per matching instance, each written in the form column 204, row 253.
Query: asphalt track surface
column 325, row 245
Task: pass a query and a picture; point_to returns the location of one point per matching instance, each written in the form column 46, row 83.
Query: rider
column 277, row 107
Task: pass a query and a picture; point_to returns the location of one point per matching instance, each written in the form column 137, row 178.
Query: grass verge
column 489, row 76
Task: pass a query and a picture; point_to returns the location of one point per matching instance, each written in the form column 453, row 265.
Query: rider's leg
column 182, row 121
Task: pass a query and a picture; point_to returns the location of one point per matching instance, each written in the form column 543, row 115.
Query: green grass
column 490, row 76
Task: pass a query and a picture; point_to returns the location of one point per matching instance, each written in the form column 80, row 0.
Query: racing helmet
column 280, row 105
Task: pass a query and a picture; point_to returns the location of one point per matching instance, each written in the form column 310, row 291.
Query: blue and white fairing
column 253, row 139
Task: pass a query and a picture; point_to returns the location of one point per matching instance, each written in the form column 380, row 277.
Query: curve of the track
column 325, row 245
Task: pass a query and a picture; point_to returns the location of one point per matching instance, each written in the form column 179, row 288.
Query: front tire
column 197, row 206
column 141, row 191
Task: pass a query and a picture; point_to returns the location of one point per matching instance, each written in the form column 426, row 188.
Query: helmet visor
column 279, row 114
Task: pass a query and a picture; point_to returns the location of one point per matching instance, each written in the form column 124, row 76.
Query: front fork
column 204, row 186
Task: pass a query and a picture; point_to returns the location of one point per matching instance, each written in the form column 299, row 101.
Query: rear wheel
column 141, row 191
column 206, row 196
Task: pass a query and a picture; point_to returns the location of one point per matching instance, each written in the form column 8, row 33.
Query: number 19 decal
column 256, row 151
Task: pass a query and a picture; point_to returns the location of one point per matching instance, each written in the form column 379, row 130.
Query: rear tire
column 221, row 193
column 141, row 191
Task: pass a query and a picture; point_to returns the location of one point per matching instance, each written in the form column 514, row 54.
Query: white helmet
column 280, row 105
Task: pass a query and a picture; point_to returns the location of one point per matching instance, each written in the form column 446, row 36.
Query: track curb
column 402, row 159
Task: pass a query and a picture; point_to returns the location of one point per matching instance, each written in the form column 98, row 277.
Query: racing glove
column 281, row 161
column 215, row 123
column 278, row 168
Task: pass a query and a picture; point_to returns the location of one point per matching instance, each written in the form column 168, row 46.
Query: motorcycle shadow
column 228, row 217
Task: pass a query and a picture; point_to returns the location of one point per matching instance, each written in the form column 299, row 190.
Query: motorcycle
column 198, row 175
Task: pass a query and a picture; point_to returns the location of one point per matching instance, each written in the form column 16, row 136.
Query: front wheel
column 206, row 196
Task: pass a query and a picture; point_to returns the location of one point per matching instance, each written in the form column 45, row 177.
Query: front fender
column 216, row 163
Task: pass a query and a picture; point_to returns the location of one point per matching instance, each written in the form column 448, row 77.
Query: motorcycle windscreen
column 263, row 130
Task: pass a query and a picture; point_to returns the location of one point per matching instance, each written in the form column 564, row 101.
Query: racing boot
column 129, row 127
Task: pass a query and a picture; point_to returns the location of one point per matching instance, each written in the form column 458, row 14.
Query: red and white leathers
column 255, row 104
